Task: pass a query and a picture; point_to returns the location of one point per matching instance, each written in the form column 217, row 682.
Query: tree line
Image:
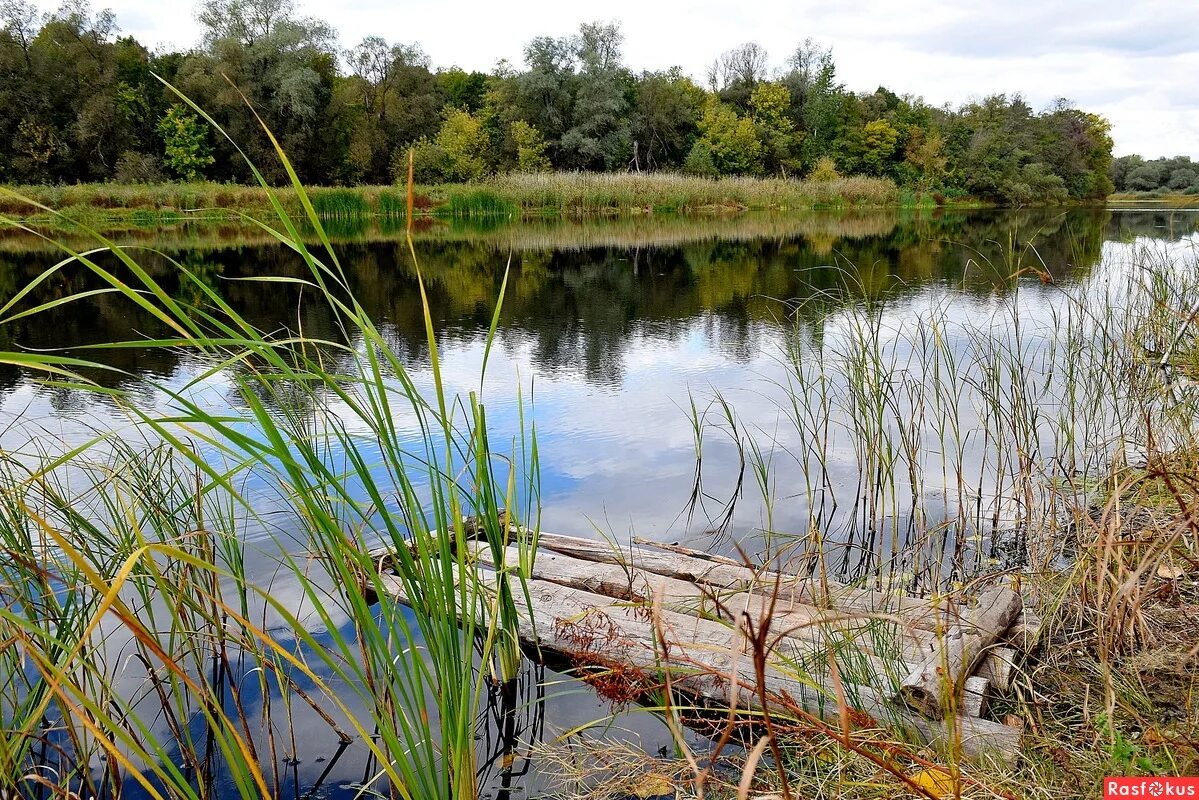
column 1134, row 173
column 79, row 102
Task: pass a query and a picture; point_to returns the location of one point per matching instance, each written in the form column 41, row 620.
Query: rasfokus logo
column 1150, row 787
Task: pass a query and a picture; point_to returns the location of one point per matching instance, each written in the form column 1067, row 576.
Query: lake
column 660, row 359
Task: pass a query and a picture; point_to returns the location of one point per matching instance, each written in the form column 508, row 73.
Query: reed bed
column 1045, row 437
column 569, row 193
column 587, row 192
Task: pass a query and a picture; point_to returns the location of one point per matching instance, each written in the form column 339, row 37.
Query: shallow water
column 615, row 330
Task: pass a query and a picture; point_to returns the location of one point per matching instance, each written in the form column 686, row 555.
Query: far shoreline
column 531, row 195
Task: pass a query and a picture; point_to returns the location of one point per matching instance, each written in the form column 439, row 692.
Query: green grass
column 564, row 194
column 340, row 203
column 115, row 542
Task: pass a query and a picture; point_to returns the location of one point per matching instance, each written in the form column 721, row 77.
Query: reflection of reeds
column 530, row 234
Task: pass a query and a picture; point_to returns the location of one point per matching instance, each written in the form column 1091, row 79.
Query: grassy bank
column 550, row 194
column 1164, row 199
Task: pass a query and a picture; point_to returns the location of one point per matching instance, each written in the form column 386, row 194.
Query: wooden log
column 967, row 638
column 916, row 643
column 997, row 666
column 820, row 629
column 718, row 573
column 706, row 659
column 880, row 664
column 1025, row 633
column 975, row 694
column 697, row 573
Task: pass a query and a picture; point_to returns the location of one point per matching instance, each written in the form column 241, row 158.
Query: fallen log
column 933, row 684
column 706, row 659
column 724, row 574
column 819, row 629
column 697, row 582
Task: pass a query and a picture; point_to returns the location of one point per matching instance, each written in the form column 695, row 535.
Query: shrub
column 699, row 161
column 135, row 167
column 825, row 171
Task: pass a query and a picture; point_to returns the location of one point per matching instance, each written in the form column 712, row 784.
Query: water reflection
column 579, row 292
column 619, row 326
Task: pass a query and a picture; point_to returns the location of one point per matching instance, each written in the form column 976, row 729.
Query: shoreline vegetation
column 521, row 195
column 79, row 103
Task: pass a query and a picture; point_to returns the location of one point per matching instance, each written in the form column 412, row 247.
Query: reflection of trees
column 1158, row 223
column 581, row 305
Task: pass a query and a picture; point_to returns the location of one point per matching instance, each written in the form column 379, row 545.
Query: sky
column 1133, row 61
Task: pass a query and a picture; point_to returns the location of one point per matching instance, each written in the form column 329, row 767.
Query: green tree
column 392, row 99
column 530, row 147
column 924, row 157
column 731, row 141
column 665, row 118
column 879, row 141
column 598, row 137
column 824, row 171
column 821, row 110
column 770, row 104
column 185, row 137
column 285, row 65
column 465, row 145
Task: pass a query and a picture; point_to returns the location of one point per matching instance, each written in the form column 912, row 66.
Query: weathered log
column 997, row 666
column 976, row 693
column 719, row 573
column 820, row 629
column 1025, row 633
column 706, row 659
column 968, row 635
column 710, row 582
column 916, row 643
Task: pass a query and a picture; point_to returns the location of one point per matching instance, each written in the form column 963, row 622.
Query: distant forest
column 1158, row 175
column 79, row 103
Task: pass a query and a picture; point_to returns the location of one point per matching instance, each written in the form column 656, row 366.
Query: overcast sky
column 1134, row 61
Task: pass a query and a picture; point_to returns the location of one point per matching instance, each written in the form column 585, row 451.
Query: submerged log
column 708, row 660
column 933, row 685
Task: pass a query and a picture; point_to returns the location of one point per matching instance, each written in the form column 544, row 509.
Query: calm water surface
column 614, row 331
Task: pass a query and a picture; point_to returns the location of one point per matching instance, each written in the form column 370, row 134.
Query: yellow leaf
column 936, row 782
column 1169, row 572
